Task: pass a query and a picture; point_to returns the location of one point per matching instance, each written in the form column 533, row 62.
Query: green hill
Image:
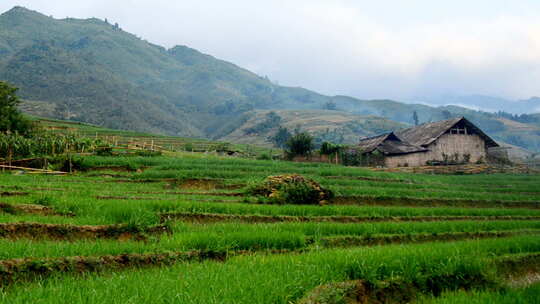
column 94, row 72
column 324, row 125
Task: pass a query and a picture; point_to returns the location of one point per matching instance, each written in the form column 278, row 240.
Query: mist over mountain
column 93, row 71
column 485, row 103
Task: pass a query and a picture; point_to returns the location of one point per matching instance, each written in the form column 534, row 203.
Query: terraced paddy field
column 181, row 229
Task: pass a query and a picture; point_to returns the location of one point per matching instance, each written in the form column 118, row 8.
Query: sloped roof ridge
column 425, row 134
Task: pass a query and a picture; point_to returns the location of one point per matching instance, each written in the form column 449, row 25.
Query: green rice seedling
column 254, row 241
column 280, row 278
column 361, row 229
column 367, row 211
column 527, row 295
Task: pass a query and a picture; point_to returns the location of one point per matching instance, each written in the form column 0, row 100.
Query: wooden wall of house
column 448, row 144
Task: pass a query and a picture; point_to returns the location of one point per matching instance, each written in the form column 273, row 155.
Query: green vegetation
column 430, row 266
column 180, row 227
column 283, row 262
column 44, row 144
column 11, row 120
column 527, row 295
column 20, row 139
column 300, row 144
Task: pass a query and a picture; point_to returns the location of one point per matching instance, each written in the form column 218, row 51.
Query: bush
column 299, row 144
column 291, row 189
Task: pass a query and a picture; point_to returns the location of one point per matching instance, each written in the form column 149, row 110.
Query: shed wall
column 448, row 144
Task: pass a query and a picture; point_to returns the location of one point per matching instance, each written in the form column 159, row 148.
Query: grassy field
column 181, row 229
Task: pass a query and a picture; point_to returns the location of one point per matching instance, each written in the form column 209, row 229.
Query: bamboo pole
column 33, row 169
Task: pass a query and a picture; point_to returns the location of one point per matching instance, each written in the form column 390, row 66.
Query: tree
column 11, row 120
column 299, row 144
column 281, row 137
column 415, row 118
column 330, row 106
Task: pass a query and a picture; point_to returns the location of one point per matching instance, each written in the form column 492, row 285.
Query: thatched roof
column 388, row 144
column 369, row 144
column 392, row 147
column 424, row 134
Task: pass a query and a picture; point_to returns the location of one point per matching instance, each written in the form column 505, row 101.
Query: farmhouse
column 449, row 141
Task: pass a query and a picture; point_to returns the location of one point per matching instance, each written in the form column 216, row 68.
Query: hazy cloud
column 391, row 49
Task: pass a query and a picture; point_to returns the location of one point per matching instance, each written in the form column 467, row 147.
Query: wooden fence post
column 10, row 154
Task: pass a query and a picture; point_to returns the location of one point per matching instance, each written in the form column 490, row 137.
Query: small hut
column 449, row 141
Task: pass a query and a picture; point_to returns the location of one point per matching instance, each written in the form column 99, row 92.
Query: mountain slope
column 92, row 71
column 95, row 68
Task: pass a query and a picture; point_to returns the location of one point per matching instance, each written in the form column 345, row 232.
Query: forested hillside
column 93, row 71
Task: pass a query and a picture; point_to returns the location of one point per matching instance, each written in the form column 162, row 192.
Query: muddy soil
column 202, row 184
column 73, row 232
column 350, row 241
column 13, row 193
column 30, row 209
column 361, row 292
column 15, row 270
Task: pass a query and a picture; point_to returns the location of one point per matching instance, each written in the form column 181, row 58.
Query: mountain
column 92, row 71
column 106, row 76
column 487, row 103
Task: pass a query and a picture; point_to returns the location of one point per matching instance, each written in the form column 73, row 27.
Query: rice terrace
column 135, row 173
column 188, row 225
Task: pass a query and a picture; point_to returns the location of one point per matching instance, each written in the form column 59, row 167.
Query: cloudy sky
column 399, row 49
